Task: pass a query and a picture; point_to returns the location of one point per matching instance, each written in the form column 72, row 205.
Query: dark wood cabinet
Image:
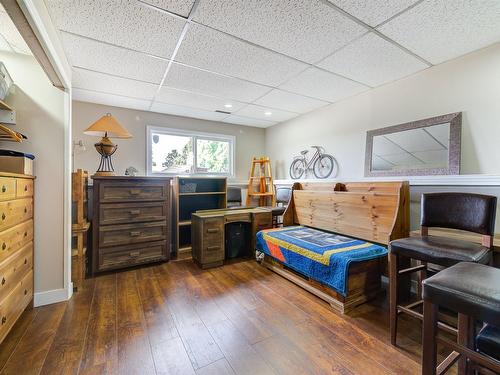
column 131, row 221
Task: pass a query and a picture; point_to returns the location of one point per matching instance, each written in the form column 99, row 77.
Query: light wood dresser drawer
column 14, row 269
column 15, row 211
column 117, row 257
column 11, row 240
column 127, row 234
column 24, row 187
column 143, row 192
column 7, row 188
column 123, row 213
column 15, row 303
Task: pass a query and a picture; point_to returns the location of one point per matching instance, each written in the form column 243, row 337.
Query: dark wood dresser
column 131, row 221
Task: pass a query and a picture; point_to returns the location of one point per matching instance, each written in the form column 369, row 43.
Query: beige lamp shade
column 107, row 126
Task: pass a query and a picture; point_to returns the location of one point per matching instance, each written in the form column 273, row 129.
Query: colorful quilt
column 322, row 256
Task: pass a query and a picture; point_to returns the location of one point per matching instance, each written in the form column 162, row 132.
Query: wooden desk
column 208, row 231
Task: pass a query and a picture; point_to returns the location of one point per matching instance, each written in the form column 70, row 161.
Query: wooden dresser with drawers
column 131, row 221
column 16, row 248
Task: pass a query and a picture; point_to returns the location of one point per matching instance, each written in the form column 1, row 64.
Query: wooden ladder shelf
column 260, row 183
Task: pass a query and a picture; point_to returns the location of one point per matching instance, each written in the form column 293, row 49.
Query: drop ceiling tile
column 306, row 30
column 85, row 79
column 181, row 7
column 178, row 110
column 109, row 99
column 323, row 85
column 203, row 82
column 190, row 99
column 372, row 61
column 265, row 113
column 126, row 23
column 439, row 30
column 212, row 50
column 240, row 120
column 288, row 101
column 93, row 55
column 373, row 12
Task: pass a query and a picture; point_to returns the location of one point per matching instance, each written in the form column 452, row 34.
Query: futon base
column 364, row 283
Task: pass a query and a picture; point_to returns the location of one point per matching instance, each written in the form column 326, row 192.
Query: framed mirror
column 418, row 148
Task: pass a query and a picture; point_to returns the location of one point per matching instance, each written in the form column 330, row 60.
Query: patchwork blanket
column 322, row 256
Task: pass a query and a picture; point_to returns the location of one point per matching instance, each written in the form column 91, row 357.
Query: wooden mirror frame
column 455, row 121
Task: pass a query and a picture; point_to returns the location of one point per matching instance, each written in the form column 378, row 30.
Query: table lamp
column 107, row 126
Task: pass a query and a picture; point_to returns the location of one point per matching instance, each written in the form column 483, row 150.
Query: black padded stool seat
column 473, row 291
column 468, row 288
column 276, row 211
column 488, row 341
column 441, row 250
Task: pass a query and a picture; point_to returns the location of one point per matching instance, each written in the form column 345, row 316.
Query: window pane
column 171, row 153
column 212, row 156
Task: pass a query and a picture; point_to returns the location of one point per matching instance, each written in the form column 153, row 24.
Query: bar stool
column 464, row 211
column 472, row 290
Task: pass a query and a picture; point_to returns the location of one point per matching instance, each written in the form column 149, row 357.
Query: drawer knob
column 4, row 189
column 25, row 187
column 25, row 291
column 3, row 216
column 212, row 230
column 4, row 246
column 210, row 248
column 135, row 253
column 25, row 261
column 25, row 234
column 135, row 212
column 4, row 319
column 25, row 209
column 135, row 233
column 3, row 280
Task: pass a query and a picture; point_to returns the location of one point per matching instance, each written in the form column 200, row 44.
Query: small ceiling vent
column 225, row 112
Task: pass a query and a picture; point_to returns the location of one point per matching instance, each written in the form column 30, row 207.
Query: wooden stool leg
column 466, row 338
column 422, row 275
column 393, row 296
column 429, row 343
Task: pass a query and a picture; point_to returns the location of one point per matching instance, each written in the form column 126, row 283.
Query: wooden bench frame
column 377, row 212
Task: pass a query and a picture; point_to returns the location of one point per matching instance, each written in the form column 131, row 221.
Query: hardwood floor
column 177, row 319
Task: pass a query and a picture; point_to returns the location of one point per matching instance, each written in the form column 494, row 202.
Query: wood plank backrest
column 373, row 211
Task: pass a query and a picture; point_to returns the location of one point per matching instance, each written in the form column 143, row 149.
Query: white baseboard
column 52, row 296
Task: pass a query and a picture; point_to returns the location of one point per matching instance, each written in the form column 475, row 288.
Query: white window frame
column 194, row 135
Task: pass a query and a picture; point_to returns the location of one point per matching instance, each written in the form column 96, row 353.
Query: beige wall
column 132, row 152
column 470, row 84
column 40, row 115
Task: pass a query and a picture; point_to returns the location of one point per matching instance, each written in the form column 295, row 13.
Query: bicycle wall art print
column 322, row 165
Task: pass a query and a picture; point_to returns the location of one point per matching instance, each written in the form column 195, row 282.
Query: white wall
column 132, row 152
column 40, row 116
column 470, row 84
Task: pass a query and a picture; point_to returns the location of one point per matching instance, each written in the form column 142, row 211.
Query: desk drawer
column 14, row 269
column 238, row 218
column 125, row 256
column 14, row 212
column 24, row 187
column 14, row 304
column 133, row 193
column 123, row 213
column 7, row 188
column 114, row 235
column 11, row 240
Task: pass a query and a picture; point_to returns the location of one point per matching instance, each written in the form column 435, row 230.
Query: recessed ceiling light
column 268, row 113
column 228, row 105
